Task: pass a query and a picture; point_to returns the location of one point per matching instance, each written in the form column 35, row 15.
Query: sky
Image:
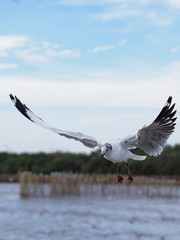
column 101, row 67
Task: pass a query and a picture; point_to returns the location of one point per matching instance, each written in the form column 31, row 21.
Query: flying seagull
column 150, row 139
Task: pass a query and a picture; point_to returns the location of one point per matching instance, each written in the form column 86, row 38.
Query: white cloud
column 86, row 2
column 173, row 3
column 144, row 10
column 8, row 66
column 103, row 48
column 117, row 12
column 65, row 53
column 43, row 53
column 97, row 2
column 10, row 42
column 110, row 9
column 138, row 10
column 31, row 55
column 106, row 88
column 158, row 19
column 29, row 51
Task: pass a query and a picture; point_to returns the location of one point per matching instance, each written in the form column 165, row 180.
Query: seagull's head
column 105, row 149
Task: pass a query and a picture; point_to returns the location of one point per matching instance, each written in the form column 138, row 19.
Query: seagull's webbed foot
column 119, row 177
column 130, row 178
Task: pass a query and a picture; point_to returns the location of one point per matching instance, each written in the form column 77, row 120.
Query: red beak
column 101, row 155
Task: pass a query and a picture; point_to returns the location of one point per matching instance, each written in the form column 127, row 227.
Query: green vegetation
column 168, row 163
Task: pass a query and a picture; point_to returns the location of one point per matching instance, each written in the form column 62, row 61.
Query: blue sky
column 101, row 67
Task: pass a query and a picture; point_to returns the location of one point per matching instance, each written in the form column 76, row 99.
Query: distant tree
column 168, row 163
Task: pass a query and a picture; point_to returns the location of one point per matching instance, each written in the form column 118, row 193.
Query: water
column 87, row 217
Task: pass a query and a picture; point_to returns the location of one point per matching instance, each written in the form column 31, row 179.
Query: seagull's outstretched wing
column 152, row 138
column 86, row 140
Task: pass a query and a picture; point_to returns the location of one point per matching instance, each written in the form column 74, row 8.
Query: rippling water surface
column 87, row 217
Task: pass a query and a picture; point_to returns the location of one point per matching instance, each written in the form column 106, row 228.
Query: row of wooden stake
column 66, row 184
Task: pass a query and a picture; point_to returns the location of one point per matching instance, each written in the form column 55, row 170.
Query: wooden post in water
column 25, row 184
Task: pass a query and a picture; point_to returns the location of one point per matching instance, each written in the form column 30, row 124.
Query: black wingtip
column 20, row 106
column 169, row 101
column 166, row 115
column 11, row 96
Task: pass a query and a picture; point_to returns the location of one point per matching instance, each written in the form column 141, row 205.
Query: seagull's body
column 151, row 139
column 119, row 153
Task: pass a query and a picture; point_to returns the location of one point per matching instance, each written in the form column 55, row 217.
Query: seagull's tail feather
column 138, row 157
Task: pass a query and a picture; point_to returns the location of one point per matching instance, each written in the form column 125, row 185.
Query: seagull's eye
column 107, row 150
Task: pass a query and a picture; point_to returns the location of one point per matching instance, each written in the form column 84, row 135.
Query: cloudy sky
column 101, row 67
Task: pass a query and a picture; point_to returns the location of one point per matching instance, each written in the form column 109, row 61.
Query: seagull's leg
column 119, row 177
column 130, row 178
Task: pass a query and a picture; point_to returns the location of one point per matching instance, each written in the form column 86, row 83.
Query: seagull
column 150, row 139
